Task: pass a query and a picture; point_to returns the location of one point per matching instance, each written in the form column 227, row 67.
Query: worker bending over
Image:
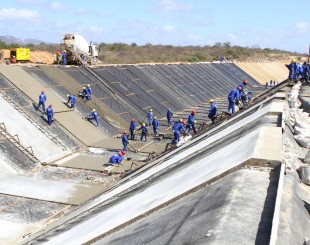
column 178, row 128
column 116, row 158
column 72, row 99
column 93, row 116
column 234, row 94
column 144, row 132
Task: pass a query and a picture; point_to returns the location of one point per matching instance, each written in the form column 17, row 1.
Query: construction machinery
column 19, row 55
column 79, row 51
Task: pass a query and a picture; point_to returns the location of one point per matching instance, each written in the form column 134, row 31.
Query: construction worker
column 178, row 128
column 132, row 129
column 116, row 158
column 72, row 99
column 298, row 71
column 93, row 116
column 249, row 95
column 58, row 56
column 144, row 132
column 50, row 114
column 155, row 124
column 243, row 92
column 234, row 94
column 64, row 57
column 212, row 111
column 191, row 122
column 125, row 141
column 305, row 74
column 89, row 92
column 42, row 99
column 169, row 116
column 291, row 68
column 150, row 117
column 84, row 93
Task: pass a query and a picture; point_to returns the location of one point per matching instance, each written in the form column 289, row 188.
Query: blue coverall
column 89, row 93
column 191, row 123
column 72, row 98
column 212, row 111
column 94, row 116
column 50, row 114
column 144, row 132
column 125, row 142
column 132, row 129
column 150, row 117
column 169, row 116
column 42, row 99
column 177, row 129
column 298, row 71
column 250, row 95
column 291, row 68
column 85, row 93
column 155, row 124
column 234, row 94
column 64, row 58
column 305, row 74
column 116, row 159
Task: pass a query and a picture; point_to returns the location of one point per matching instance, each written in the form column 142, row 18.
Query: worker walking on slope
column 93, row 116
column 50, row 114
column 144, row 132
column 72, row 99
column 234, row 94
column 42, row 99
column 89, row 92
column 191, row 123
column 132, row 129
column 116, row 158
column 155, row 124
column 64, row 57
column 212, row 111
column 178, row 128
column 125, row 141
column 169, row 116
column 150, row 117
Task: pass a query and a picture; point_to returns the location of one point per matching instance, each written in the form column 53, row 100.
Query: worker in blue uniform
column 72, row 99
column 144, row 132
column 232, row 96
column 84, row 93
column 191, row 122
column 291, row 68
column 305, row 74
column 50, row 114
column 132, row 129
column 125, row 141
column 150, row 117
column 116, row 158
column 298, row 71
column 249, row 95
column 93, row 116
column 89, row 92
column 155, row 124
column 243, row 91
column 178, row 128
column 169, row 116
column 64, row 57
column 212, row 111
column 42, row 99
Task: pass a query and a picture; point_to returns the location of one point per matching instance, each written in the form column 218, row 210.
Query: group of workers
column 61, row 58
column 297, row 71
column 240, row 96
column 49, row 110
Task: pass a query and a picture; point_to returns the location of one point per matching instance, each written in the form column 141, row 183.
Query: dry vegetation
column 120, row 53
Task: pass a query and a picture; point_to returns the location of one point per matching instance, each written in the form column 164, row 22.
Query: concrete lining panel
column 44, row 149
column 157, row 193
column 72, row 121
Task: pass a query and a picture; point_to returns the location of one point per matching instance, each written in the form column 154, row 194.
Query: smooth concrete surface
column 199, row 171
column 43, row 148
column 85, row 131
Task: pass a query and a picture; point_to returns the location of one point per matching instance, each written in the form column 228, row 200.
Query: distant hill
column 11, row 39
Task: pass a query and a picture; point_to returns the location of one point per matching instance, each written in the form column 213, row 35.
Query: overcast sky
column 280, row 24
